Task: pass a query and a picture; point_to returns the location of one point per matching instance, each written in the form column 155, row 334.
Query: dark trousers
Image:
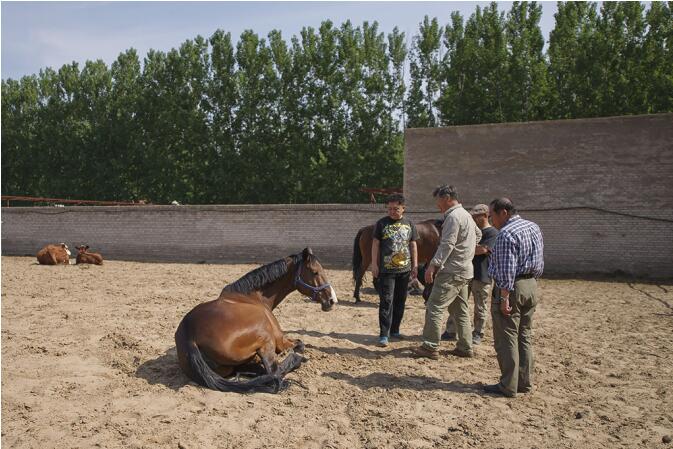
column 393, row 296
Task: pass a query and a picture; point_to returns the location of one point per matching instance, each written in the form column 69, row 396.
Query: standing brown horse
column 238, row 328
column 428, row 239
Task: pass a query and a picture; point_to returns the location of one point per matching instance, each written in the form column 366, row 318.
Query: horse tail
column 357, row 255
column 203, row 374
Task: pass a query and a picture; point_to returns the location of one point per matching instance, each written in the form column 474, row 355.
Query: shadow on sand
column 418, row 383
column 163, row 370
column 360, row 339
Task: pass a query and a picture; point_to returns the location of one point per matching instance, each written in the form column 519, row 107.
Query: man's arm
column 446, row 245
column 413, row 249
column 480, row 249
column 375, row 257
column 504, row 263
column 447, row 242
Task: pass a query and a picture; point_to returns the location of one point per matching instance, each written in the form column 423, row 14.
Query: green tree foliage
column 526, row 89
column 315, row 118
column 658, row 58
column 425, row 75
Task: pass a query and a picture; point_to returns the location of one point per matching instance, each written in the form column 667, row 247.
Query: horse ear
column 307, row 253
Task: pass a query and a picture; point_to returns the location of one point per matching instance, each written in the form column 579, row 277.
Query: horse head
column 311, row 280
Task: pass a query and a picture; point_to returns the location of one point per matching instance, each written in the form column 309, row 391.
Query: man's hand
column 430, row 274
column 504, row 303
column 414, row 273
column 375, row 270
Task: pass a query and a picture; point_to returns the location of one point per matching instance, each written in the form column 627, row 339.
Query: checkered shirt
column 518, row 250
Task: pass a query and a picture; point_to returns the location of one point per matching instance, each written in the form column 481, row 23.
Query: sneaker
column 422, row 351
column 383, row 342
column 476, row 339
column 461, row 353
column 396, row 336
column 446, row 336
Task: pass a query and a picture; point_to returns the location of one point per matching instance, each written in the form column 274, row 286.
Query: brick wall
column 575, row 178
column 260, row 233
column 578, row 179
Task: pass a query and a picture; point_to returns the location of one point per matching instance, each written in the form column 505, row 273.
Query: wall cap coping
column 618, row 118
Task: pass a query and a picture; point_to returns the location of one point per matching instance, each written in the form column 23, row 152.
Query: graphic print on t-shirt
column 398, row 236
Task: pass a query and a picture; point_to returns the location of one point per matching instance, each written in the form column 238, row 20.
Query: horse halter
column 315, row 290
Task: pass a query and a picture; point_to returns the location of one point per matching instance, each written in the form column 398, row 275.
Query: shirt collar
column 452, row 209
column 512, row 219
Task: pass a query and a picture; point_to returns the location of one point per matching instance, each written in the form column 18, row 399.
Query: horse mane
column 260, row 277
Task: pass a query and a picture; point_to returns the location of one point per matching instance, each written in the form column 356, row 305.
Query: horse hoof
column 279, row 384
column 299, row 347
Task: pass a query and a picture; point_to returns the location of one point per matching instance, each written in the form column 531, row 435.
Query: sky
column 36, row 35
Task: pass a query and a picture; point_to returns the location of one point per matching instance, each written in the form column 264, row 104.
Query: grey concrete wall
column 260, row 233
column 585, row 182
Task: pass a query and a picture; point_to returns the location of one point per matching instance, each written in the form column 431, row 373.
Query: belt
column 524, row 276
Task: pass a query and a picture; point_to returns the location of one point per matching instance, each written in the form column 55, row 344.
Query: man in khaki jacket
column 451, row 270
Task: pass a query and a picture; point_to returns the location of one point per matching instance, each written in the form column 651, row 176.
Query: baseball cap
column 479, row 209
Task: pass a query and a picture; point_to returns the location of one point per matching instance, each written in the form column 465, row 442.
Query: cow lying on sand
column 84, row 256
column 54, row 255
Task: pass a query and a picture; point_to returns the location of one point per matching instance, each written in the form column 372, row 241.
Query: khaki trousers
column 450, row 292
column 482, row 296
column 513, row 337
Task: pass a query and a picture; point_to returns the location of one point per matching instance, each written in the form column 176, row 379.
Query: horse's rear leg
column 267, row 354
column 224, row 371
column 358, row 283
column 291, row 362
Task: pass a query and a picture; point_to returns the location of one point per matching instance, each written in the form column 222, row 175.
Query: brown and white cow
column 54, row 255
column 84, row 256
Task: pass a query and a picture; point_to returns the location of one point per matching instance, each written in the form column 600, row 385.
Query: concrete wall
column 261, row 233
column 585, row 182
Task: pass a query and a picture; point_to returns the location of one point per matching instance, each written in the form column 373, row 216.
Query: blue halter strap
column 315, row 290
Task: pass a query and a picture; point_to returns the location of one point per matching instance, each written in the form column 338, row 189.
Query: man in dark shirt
column 481, row 285
column 394, row 261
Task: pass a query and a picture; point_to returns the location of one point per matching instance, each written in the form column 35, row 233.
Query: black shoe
column 524, row 389
column 446, row 336
column 495, row 389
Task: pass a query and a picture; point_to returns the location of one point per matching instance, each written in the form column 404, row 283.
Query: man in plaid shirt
column 515, row 264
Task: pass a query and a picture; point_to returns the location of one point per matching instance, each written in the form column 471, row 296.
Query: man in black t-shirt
column 394, row 261
column 481, row 285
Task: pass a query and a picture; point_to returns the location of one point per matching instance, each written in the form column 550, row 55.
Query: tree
column 527, row 92
column 573, row 71
column 425, row 75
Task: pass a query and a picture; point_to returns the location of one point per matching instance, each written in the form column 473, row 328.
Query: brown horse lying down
column 54, row 255
column 84, row 256
column 238, row 328
column 428, row 240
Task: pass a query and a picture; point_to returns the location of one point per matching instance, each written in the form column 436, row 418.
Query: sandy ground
column 88, row 360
